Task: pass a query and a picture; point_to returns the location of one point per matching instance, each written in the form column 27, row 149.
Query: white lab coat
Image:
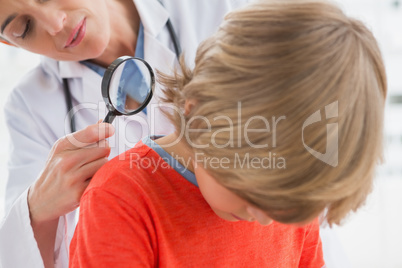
column 36, row 116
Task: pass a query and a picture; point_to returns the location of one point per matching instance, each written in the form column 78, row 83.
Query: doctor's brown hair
column 287, row 58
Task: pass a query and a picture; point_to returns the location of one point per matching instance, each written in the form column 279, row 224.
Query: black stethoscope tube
column 66, row 87
column 175, row 40
column 69, row 103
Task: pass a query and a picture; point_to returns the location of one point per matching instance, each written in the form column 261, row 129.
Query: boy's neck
column 178, row 149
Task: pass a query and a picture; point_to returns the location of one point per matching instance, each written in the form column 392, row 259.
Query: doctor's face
column 59, row 29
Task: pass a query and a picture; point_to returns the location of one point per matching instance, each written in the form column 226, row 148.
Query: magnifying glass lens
column 127, row 86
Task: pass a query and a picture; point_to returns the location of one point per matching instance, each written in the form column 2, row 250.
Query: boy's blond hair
column 290, row 59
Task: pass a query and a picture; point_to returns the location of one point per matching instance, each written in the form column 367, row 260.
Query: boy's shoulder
column 123, row 170
column 139, row 169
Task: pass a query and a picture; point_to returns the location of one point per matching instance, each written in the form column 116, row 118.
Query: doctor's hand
column 71, row 164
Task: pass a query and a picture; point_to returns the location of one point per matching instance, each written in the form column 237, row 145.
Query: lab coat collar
column 62, row 69
column 153, row 15
column 71, row 69
column 88, row 89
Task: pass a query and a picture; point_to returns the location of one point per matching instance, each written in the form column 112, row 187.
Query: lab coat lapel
column 154, row 18
column 158, row 55
column 91, row 87
column 92, row 101
column 85, row 86
column 153, row 15
column 87, row 83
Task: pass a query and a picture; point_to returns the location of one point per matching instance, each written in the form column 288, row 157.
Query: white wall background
column 373, row 236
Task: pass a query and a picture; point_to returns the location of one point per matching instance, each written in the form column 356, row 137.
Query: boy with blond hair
column 249, row 171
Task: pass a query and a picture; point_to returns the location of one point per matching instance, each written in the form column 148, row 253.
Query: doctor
column 78, row 39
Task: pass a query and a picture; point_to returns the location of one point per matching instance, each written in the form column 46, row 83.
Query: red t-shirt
column 136, row 215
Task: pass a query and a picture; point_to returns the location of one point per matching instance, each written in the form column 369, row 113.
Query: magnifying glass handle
column 109, row 117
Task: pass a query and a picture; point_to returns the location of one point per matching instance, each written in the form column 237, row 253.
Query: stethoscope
column 66, row 87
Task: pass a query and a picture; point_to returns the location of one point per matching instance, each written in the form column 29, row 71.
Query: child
column 243, row 180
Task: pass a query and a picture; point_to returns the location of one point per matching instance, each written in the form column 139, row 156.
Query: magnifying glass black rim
column 106, row 80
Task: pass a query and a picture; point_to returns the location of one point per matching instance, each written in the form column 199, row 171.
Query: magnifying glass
column 127, row 87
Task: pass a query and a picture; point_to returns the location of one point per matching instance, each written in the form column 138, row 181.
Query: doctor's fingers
column 75, row 159
column 84, row 138
column 59, row 188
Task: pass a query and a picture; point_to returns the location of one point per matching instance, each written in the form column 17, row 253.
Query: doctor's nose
column 53, row 21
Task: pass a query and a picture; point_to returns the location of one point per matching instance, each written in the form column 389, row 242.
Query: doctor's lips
column 77, row 34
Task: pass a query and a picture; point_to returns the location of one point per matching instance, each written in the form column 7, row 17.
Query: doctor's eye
column 28, row 26
column 22, row 27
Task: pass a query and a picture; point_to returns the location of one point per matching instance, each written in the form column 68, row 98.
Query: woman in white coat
column 78, row 39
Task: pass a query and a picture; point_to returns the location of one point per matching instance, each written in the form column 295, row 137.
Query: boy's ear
column 189, row 105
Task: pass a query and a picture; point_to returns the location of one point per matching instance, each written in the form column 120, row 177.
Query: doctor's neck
column 124, row 26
